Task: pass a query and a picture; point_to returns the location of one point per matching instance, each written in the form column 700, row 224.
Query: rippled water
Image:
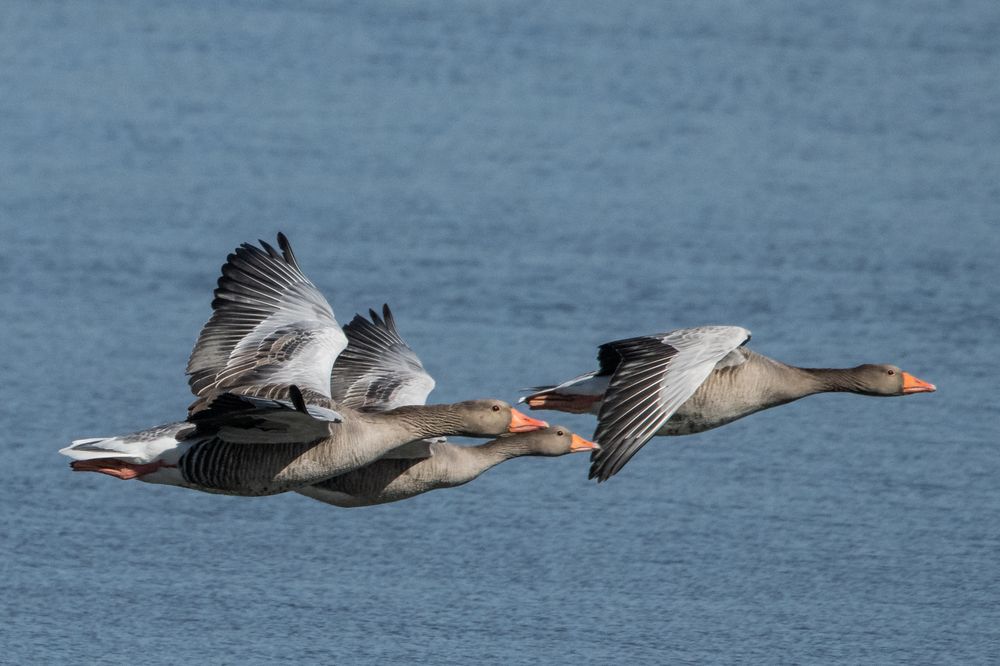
column 521, row 182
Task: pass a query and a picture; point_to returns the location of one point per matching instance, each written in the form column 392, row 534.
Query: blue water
column 521, row 181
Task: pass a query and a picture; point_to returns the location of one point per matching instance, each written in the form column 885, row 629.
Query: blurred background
column 521, row 182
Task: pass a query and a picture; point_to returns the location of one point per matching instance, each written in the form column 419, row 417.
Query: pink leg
column 563, row 402
column 117, row 468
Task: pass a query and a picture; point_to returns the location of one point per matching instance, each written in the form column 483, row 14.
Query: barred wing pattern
column 270, row 327
column 655, row 376
column 378, row 371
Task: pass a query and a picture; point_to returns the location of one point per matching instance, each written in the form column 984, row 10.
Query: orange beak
column 523, row 423
column 580, row 444
column 913, row 385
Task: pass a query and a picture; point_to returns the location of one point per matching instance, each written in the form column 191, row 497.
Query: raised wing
column 655, row 376
column 378, row 371
column 270, row 327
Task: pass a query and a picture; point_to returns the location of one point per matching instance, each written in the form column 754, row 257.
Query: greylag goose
column 272, row 330
column 244, row 445
column 379, row 371
column 695, row 379
column 445, row 466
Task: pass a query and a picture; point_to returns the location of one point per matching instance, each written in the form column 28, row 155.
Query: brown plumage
column 691, row 380
column 445, row 466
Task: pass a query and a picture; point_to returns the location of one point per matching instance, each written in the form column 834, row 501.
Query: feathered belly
column 251, row 470
column 689, row 420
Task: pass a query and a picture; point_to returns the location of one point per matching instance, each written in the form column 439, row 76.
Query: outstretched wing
column 378, row 371
column 270, row 327
column 655, row 375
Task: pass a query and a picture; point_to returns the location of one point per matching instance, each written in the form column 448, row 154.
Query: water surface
column 521, row 182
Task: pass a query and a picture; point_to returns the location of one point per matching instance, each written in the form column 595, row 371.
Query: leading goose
column 694, row 379
column 270, row 330
column 379, row 371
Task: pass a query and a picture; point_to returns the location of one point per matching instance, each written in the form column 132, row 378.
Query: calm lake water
column 521, row 182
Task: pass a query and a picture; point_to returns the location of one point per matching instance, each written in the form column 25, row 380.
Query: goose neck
column 504, row 448
column 422, row 421
column 831, row 380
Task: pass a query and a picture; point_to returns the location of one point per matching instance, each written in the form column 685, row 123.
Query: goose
column 694, row 379
column 263, row 420
column 446, row 465
column 379, row 371
column 244, row 445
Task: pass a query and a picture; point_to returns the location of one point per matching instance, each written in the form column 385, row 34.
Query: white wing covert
column 270, row 328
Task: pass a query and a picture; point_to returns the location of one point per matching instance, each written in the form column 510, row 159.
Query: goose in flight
column 694, row 379
column 263, row 420
column 378, row 371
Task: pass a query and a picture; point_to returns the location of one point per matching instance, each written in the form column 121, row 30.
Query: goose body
column 263, row 420
column 379, row 371
column 691, row 380
column 249, row 446
column 445, row 466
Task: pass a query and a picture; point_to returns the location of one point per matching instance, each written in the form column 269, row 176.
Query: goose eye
column 560, row 433
column 496, row 408
column 892, row 372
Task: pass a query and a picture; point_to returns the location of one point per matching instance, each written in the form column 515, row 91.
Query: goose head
column 485, row 418
column 888, row 380
column 554, row 441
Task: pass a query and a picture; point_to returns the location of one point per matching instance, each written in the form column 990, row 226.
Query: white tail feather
column 107, row 447
column 140, row 447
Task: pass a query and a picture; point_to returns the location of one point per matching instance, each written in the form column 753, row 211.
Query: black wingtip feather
column 390, row 321
column 269, row 249
column 612, row 458
column 297, row 400
column 375, row 328
column 602, row 466
column 286, row 249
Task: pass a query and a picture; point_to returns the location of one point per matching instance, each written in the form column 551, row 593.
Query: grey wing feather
column 270, row 327
column 246, row 419
column 378, row 371
column 656, row 375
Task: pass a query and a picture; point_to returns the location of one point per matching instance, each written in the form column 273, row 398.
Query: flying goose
column 445, row 466
column 379, row 371
column 695, row 379
column 272, row 330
